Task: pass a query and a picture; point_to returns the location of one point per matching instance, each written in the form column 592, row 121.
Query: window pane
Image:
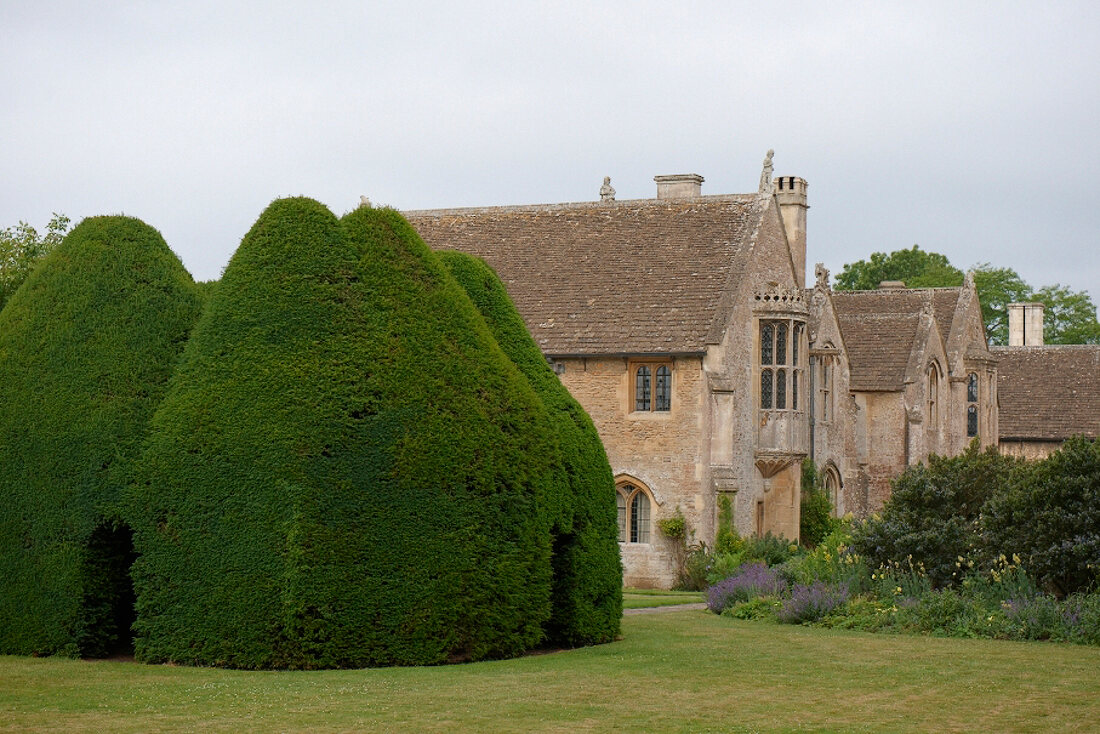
column 794, row 345
column 621, row 501
column 639, row 518
column 972, row 388
column 765, row 388
column 641, row 389
column 781, row 389
column 781, row 344
column 972, row 420
column 663, row 398
column 794, row 390
column 767, row 342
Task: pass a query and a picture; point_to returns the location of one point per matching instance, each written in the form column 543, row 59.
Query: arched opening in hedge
column 108, row 606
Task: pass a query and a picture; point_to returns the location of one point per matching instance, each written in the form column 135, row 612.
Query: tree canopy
column 1070, row 316
column 21, row 247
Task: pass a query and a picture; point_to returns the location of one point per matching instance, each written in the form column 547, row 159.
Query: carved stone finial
column 766, row 174
column 364, row 202
column 969, row 281
column 606, row 192
column 822, row 274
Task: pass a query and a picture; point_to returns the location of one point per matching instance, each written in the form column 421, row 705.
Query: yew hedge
column 347, row 470
column 87, row 344
column 587, row 588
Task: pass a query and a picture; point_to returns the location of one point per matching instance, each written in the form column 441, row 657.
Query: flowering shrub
column 752, row 580
column 809, row 603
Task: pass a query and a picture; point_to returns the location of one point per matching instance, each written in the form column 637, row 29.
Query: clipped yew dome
column 86, row 348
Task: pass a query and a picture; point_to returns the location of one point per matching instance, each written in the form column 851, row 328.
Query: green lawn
column 639, row 598
column 678, row 671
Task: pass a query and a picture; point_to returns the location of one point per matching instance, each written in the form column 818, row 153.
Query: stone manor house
column 682, row 325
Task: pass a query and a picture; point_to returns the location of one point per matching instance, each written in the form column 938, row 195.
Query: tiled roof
column 1048, row 393
column 629, row 277
column 880, row 327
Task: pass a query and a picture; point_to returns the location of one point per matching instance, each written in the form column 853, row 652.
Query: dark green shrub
column 770, row 549
column 346, row 471
column 816, row 519
column 1050, row 517
column 86, row 348
column 587, row 591
column 932, row 514
column 726, row 538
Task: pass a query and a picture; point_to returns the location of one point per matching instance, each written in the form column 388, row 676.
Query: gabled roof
column 628, row 277
column 880, row 329
column 1048, row 393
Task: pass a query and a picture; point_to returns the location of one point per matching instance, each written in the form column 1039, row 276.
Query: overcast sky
column 969, row 128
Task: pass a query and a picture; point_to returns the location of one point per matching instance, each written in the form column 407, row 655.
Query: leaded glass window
column 634, row 514
column 767, row 343
column 642, row 388
column 663, row 397
column 620, row 500
column 780, row 346
column 972, row 404
column 639, row 518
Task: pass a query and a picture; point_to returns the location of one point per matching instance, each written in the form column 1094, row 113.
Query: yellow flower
column 1016, row 559
column 897, row 590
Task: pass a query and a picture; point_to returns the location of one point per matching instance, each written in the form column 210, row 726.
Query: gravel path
column 669, row 608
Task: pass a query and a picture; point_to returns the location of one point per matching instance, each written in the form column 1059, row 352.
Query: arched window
column 634, row 513
column 832, row 487
column 933, row 395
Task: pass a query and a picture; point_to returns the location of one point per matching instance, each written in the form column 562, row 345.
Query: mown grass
column 678, row 671
column 643, row 598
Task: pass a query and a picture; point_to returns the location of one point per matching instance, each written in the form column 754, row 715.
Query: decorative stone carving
column 769, row 466
column 766, row 174
column 606, row 192
column 780, row 297
column 822, row 274
column 364, row 202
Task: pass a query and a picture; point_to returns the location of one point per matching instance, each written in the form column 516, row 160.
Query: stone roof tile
column 629, row 277
column 1048, row 393
column 880, row 327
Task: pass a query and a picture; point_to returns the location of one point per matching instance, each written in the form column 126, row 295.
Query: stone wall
column 660, row 451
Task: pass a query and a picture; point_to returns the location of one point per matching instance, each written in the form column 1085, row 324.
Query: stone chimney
column 891, row 285
column 790, row 192
column 679, row 186
column 1025, row 324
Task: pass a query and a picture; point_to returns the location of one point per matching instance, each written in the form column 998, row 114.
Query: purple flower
column 750, row 581
column 811, row 602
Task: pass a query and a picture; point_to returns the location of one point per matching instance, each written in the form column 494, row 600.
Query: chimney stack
column 1025, row 324
column 679, row 186
column 790, row 192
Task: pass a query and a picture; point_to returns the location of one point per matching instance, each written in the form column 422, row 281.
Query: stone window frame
column 654, row 367
column 932, row 393
column 781, row 363
column 826, row 362
column 833, row 483
column 635, row 512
